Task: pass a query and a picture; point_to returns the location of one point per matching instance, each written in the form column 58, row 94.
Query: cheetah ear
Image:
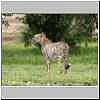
column 43, row 34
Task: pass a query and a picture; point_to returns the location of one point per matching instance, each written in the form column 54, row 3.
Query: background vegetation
column 70, row 28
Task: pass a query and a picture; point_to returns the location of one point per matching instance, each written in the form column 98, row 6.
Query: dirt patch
column 10, row 38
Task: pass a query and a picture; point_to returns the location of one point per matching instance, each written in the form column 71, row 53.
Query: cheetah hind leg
column 64, row 69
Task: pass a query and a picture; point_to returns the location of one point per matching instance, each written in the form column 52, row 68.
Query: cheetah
column 53, row 51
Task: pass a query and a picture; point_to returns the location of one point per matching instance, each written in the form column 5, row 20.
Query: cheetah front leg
column 49, row 73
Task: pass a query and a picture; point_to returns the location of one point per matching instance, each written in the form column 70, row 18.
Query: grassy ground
column 25, row 66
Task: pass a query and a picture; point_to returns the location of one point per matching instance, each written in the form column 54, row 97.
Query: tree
column 68, row 27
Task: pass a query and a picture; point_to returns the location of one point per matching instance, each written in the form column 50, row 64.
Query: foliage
column 70, row 28
column 26, row 35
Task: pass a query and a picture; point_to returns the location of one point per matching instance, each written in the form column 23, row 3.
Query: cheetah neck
column 45, row 42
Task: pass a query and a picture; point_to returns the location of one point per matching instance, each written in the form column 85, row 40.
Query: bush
column 70, row 28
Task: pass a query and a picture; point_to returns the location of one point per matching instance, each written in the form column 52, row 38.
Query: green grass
column 25, row 66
